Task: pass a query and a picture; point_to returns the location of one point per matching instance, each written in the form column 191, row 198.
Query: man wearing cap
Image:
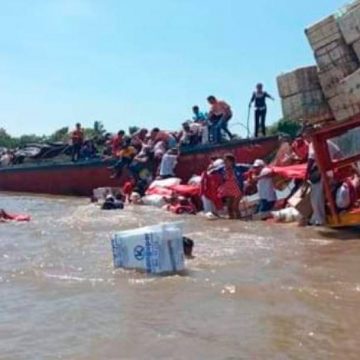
column 265, row 186
column 211, row 180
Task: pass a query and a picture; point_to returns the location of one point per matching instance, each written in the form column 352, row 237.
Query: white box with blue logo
column 153, row 249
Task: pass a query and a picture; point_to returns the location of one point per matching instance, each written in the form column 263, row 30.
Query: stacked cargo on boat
column 302, row 96
column 335, row 42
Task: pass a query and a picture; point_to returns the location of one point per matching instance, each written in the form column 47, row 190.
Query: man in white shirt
column 5, row 159
column 265, row 186
column 168, row 164
column 317, row 196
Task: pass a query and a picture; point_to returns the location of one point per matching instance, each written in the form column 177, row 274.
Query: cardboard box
column 337, row 54
column 323, row 33
column 309, row 106
column 330, row 80
column 155, row 249
column 300, row 80
column 349, row 24
column 350, row 87
column 301, row 201
column 356, row 48
column 343, row 107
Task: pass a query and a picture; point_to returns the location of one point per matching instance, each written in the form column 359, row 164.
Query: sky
column 142, row 62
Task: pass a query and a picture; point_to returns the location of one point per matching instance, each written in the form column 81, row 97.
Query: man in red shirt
column 219, row 115
column 77, row 141
column 116, row 143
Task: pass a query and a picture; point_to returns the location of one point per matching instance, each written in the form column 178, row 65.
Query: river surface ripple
column 254, row 290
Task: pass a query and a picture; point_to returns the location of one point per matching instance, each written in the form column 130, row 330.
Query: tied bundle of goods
column 302, row 97
column 154, row 249
column 336, row 60
column 334, row 93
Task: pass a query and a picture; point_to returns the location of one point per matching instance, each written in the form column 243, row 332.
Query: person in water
column 113, row 202
column 77, row 141
column 259, row 98
column 230, row 189
column 188, row 247
column 266, row 190
column 219, row 117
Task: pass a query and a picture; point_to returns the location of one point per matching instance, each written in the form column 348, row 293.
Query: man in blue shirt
column 199, row 117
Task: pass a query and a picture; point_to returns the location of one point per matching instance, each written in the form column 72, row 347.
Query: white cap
column 259, row 163
column 217, row 165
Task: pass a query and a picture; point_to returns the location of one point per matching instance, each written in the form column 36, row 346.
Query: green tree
column 97, row 132
column 59, row 135
column 133, row 129
column 6, row 140
column 24, row 140
column 99, row 129
column 285, row 126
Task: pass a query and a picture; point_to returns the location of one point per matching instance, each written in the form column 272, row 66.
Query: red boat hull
column 81, row 178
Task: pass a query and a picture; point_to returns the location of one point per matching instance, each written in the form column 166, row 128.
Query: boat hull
column 79, row 179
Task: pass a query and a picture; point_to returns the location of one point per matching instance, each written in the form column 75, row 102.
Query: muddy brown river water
column 254, row 290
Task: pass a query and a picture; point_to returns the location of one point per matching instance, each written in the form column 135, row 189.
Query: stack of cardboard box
column 302, row 97
column 335, row 42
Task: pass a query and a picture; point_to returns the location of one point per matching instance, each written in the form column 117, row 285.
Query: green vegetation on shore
column 6, row 140
column 62, row 134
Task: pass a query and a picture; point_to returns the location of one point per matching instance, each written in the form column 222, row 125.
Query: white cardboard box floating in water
column 154, row 249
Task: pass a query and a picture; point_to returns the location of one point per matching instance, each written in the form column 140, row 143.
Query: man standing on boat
column 259, row 98
column 116, row 142
column 219, row 115
column 77, row 140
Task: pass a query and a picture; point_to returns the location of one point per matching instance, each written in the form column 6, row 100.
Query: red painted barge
column 81, row 178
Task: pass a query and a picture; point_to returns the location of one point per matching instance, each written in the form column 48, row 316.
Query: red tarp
column 159, row 191
column 186, row 190
column 182, row 190
column 291, row 172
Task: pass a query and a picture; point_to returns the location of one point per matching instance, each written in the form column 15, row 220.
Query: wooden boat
column 329, row 167
column 81, row 178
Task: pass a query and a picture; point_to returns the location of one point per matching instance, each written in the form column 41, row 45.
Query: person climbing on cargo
column 201, row 120
column 116, row 142
column 219, row 116
column 199, row 117
column 139, row 139
column 168, row 163
column 163, row 136
column 126, row 156
column 77, row 141
column 259, row 98
column 188, row 137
